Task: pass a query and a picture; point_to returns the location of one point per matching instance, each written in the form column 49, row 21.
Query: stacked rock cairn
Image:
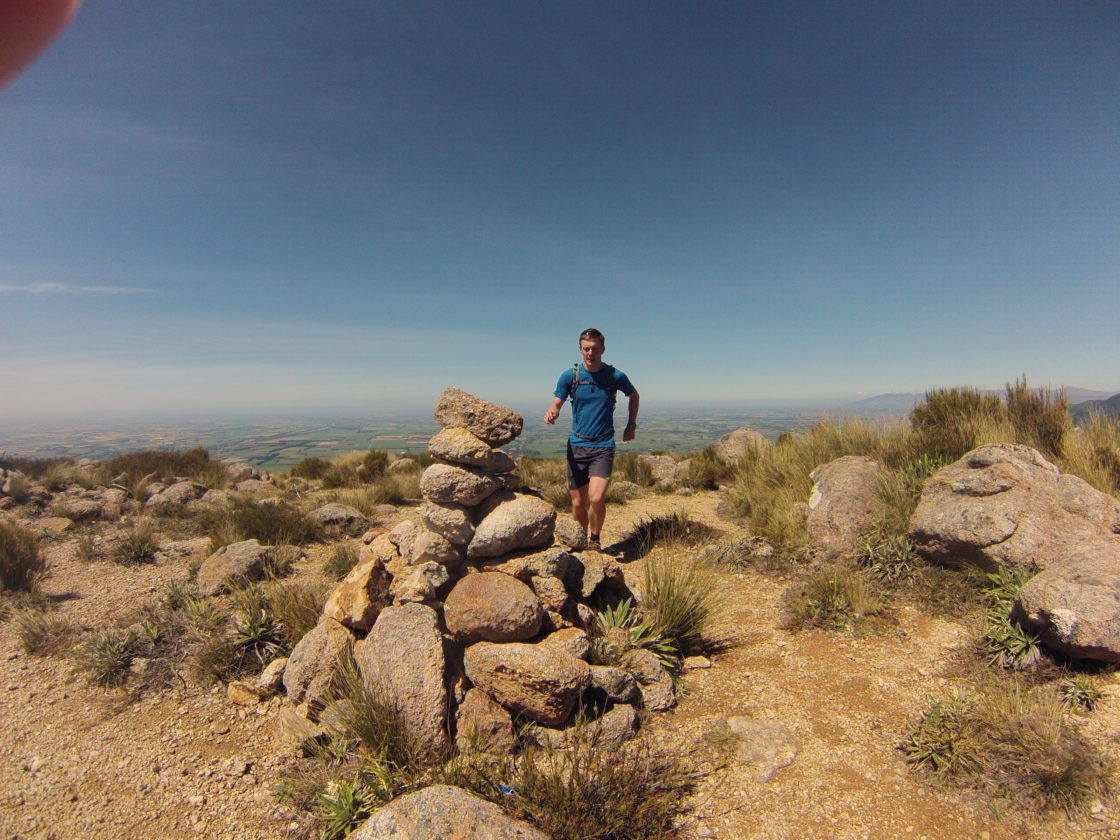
column 470, row 618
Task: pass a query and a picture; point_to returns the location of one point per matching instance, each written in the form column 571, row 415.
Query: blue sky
column 249, row 206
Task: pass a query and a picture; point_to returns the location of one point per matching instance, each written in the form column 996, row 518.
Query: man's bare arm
column 632, row 423
column 553, row 410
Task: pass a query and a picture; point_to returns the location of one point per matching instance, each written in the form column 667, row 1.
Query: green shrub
column 105, row 657
column 311, row 468
column 138, row 545
column 1079, row 691
column 706, row 470
column 947, row 423
column 340, row 475
column 343, row 558
column 1013, row 742
column 22, row 564
column 836, row 597
column 682, row 599
column 35, row 468
column 374, row 464
column 138, row 468
column 629, row 466
column 295, row 608
column 890, row 558
column 41, row 632
column 272, row 522
column 1005, row 642
column 633, row 792
column 1040, row 417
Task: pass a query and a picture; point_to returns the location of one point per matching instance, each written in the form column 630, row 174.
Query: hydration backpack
column 611, row 389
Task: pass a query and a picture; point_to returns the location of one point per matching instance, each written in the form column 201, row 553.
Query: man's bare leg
column 597, row 503
column 579, row 507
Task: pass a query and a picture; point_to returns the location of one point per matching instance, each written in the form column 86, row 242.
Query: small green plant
column 41, row 632
column 1006, row 643
column 138, row 545
column 836, row 597
column 620, row 628
column 889, row 558
column 87, row 549
column 104, row 658
column 1080, row 692
column 255, row 632
column 343, row 558
column 22, row 564
column 344, row 805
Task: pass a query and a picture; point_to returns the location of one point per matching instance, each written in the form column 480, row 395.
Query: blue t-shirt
column 592, row 406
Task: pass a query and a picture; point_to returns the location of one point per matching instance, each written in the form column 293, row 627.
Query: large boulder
column 495, row 424
column 843, row 503
column 233, row 564
column 402, row 663
column 446, row 812
column 541, row 683
column 448, row 484
column 511, row 522
column 361, row 596
column 492, row 607
column 733, row 446
column 1006, row 505
column 1074, row 605
column 311, row 665
column 460, row 446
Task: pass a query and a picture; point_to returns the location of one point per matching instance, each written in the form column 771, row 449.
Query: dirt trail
column 184, row 763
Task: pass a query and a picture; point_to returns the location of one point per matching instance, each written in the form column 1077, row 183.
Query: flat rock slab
column 765, row 745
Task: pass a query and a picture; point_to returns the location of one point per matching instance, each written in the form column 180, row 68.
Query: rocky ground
column 81, row 761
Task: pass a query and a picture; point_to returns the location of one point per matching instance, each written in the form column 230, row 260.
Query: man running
column 592, row 387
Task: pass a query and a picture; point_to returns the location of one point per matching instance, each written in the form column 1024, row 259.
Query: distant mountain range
column 1109, row 408
column 1082, row 401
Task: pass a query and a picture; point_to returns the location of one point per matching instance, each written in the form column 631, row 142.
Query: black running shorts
column 586, row 461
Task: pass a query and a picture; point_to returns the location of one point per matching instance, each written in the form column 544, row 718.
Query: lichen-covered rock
column 843, row 503
column 342, row 518
column 616, row 684
column 495, row 424
column 178, row 493
column 1074, row 605
column 482, row 724
column 444, row 812
column 460, row 446
column 654, row 682
column 733, row 446
column 449, row 484
column 450, row 521
column 312, row 663
column 233, row 564
column 511, row 522
column 538, row 682
column 402, row 662
column 1006, row 505
column 362, row 594
column 492, row 607
column 430, row 547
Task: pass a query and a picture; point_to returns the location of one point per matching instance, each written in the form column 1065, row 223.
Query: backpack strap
column 611, row 388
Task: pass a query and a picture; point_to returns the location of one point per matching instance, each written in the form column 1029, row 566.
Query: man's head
column 591, row 346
